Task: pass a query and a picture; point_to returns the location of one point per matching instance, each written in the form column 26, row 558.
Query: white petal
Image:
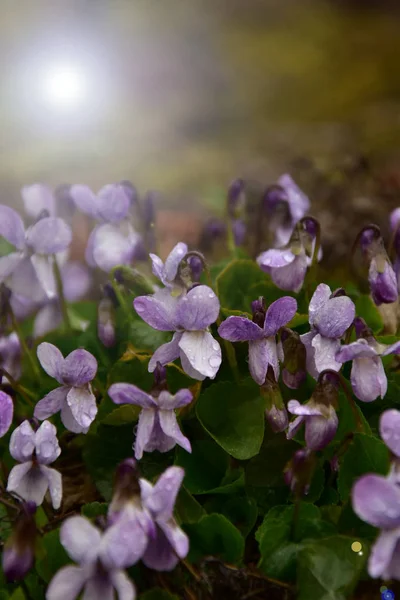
column 202, row 352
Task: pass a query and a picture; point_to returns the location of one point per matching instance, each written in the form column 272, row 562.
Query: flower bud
column 106, row 322
column 381, row 276
column 275, row 410
column 294, row 363
column 18, row 553
column 299, row 471
column 236, row 198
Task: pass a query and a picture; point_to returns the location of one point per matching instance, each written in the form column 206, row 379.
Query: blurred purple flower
column 329, row 316
column 29, row 271
column 368, row 377
column 168, row 271
column 189, row 316
column 170, row 543
column 114, row 241
column 158, row 428
column 10, row 355
column 6, row 412
column 389, row 429
column 101, row 556
column 74, row 398
column 19, row 550
column 35, row 450
column 38, row 199
column 260, row 333
column 381, row 276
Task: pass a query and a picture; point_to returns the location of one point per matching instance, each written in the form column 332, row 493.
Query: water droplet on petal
column 211, row 295
column 214, row 361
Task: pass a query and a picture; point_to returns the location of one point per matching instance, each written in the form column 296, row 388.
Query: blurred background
column 182, row 96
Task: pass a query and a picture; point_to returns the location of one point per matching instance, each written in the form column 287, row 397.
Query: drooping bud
column 299, row 471
column 275, row 410
column 160, row 380
column 133, row 281
column 106, row 322
column 295, row 355
column 381, row 276
column 18, row 553
column 236, row 198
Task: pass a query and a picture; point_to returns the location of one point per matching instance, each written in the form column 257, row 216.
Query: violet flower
column 261, row 334
column 329, row 315
column 318, row 414
column 157, row 427
column 29, row 270
column 114, row 241
column 19, row 550
column 167, row 272
column 38, row 199
column 287, row 266
column 10, row 355
column 368, row 377
column 35, row 450
column 101, row 556
column 76, row 283
column 74, row 398
column 381, row 276
column 288, row 193
column 189, row 316
column 170, row 543
column 6, row 412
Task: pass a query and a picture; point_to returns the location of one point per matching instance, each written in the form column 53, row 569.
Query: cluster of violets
column 38, row 278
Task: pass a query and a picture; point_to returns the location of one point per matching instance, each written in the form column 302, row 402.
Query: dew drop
column 214, row 361
column 211, row 295
column 139, row 307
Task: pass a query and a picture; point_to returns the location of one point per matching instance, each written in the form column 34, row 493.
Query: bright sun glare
column 64, row 86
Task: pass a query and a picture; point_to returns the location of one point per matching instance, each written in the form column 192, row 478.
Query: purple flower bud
column 160, row 377
column 381, row 276
column 275, row 410
column 106, row 322
column 299, row 471
column 214, row 228
column 275, row 196
column 236, row 198
column 18, row 553
column 6, row 412
column 130, row 191
column 295, row 355
column 196, row 267
column 126, row 485
column 239, row 231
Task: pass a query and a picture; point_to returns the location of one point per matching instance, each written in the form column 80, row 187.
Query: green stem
column 119, row 295
column 22, row 391
column 24, row 346
column 61, row 297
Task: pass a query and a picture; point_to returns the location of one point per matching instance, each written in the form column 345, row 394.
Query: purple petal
column 24, row 281
column 383, row 285
column 306, row 340
column 298, row 202
column 394, row 219
column 12, row 227
column 76, row 281
column 158, row 440
column 321, row 430
column 279, row 314
column 261, row 354
column 28, row 482
column 392, row 349
column 163, row 496
column 198, row 309
column 275, row 258
column 16, row 562
column 308, row 409
column 47, row 447
column 38, row 198
column 80, row 539
column 240, row 329
column 51, row 403
column 368, row 378
column 166, row 353
column 202, row 352
column 170, row 427
column 294, row 427
column 54, row 482
column 113, row 245
column 49, row 236
column 325, row 350
column 79, row 367
column 44, row 270
column 69, row 420
column 293, row 380
column 66, row 584
column 358, row 349
column 377, row 501
column 335, row 316
column 177, row 538
column 47, row 319
column 158, row 310
column 126, row 393
column 123, row 585
column 389, row 429
column 144, row 431
column 22, row 442
column 381, row 553
column 277, row 418
column 159, row 554
column 113, row 203
column 291, row 277
column 82, row 403
column 172, row 263
column 90, row 248
column 84, row 199
column 167, row 401
column 157, row 267
column 98, row 586
column 123, row 544
column 6, row 412
column 51, row 360
column 319, row 298
column 9, row 263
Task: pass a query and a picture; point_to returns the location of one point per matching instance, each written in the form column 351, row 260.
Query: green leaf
column 54, row 556
column 366, row 309
column 205, row 467
column 94, row 509
column 122, row 415
column 233, row 414
column 328, row 569
column 187, row 509
column 145, row 337
column 158, row 594
column 233, row 283
column 215, row 535
column 366, row 454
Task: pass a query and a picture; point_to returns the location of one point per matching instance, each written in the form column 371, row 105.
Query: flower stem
column 23, row 344
column 118, row 293
column 61, row 297
column 359, row 424
column 22, row 391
